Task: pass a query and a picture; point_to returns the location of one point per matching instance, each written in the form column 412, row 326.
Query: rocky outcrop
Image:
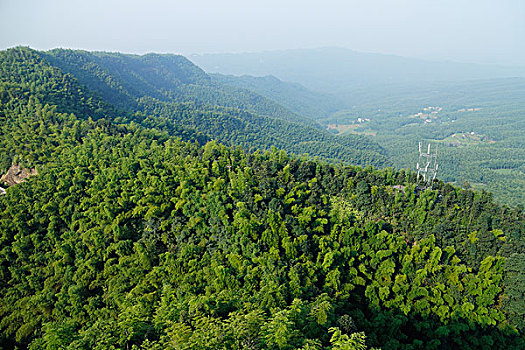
column 16, row 174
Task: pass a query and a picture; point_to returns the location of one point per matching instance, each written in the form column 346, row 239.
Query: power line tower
column 427, row 166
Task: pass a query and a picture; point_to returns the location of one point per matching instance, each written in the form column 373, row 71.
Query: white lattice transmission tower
column 427, row 166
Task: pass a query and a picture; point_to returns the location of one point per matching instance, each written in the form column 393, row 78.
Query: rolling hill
column 384, row 97
column 131, row 235
column 172, row 89
column 293, row 96
column 128, row 237
column 342, row 71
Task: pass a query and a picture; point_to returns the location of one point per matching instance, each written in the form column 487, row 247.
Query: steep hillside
column 124, row 79
column 130, row 238
column 293, row 96
column 31, row 90
column 170, row 90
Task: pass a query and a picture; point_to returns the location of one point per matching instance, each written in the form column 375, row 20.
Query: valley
column 477, row 123
column 166, row 210
column 251, row 175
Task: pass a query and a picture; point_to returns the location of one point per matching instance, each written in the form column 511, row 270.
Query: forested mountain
column 474, row 113
column 293, row 96
column 170, row 90
column 131, row 238
column 31, row 89
column 124, row 79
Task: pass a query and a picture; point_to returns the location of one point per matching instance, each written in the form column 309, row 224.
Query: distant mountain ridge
column 128, row 237
column 293, row 96
column 340, row 71
column 385, row 90
column 169, row 93
column 123, row 78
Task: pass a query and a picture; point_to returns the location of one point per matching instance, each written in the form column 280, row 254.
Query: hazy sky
column 490, row 31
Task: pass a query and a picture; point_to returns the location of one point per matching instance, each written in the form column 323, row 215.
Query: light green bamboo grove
column 131, row 238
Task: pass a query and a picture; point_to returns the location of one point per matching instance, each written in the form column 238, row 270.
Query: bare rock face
column 17, row 174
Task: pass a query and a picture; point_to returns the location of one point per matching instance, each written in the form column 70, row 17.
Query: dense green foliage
column 389, row 90
column 31, row 91
column 132, row 238
column 122, row 79
column 171, row 88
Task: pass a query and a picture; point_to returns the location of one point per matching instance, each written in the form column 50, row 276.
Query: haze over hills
column 157, row 193
column 378, row 96
column 170, row 92
column 123, row 79
column 293, row 96
column 340, row 71
column 180, row 93
column 131, row 235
